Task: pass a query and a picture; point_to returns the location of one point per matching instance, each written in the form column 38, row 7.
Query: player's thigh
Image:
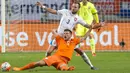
column 61, row 64
column 50, row 60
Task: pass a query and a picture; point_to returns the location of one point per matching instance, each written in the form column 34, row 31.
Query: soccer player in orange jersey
column 62, row 56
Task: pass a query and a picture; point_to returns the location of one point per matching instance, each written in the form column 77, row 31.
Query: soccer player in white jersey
column 68, row 20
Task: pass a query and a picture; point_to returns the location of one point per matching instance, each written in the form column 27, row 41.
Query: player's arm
column 96, row 18
column 83, row 23
column 101, row 24
column 47, row 9
column 55, row 34
column 87, row 26
column 95, row 13
column 52, row 48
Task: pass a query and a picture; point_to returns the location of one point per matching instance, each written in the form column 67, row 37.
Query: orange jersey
column 66, row 48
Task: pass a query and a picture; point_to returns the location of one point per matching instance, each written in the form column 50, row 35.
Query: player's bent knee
column 40, row 63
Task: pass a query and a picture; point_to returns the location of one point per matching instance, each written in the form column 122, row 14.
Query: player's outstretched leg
column 92, row 45
column 30, row 66
column 86, row 59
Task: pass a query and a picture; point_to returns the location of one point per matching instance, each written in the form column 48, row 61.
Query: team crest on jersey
column 75, row 19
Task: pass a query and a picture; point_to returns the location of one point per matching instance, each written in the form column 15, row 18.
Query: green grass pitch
column 107, row 62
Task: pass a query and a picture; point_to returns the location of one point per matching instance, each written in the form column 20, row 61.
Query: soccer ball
column 5, row 66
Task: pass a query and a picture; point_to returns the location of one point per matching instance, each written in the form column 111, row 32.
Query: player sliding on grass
column 60, row 59
column 68, row 21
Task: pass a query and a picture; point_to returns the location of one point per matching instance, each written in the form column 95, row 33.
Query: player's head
column 77, row 1
column 67, row 34
column 75, row 7
column 85, row 1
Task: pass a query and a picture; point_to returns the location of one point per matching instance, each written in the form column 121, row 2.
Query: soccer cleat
column 16, row 69
column 94, row 54
column 94, row 68
column 71, row 68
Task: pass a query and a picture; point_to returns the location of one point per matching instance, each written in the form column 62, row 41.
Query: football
column 5, row 66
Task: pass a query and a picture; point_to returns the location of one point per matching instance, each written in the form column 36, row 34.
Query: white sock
column 86, row 59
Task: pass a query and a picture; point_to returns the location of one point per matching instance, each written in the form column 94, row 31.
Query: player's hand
column 98, row 29
column 102, row 24
column 39, row 4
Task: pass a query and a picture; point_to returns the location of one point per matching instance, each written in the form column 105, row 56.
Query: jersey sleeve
column 57, row 38
column 81, row 21
column 94, row 12
column 77, row 41
column 61, row 12
column 93, row 9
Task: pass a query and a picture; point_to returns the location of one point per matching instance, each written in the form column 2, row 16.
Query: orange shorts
column 56, row 61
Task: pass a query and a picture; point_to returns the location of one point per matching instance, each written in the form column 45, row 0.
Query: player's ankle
column 93, row 54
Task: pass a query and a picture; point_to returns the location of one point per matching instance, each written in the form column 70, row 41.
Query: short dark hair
column 68, row 30
column 76, row 3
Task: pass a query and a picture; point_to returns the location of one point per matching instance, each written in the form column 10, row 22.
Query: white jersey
column 68, row 20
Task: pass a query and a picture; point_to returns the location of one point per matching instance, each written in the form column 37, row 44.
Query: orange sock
column 28, row 66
